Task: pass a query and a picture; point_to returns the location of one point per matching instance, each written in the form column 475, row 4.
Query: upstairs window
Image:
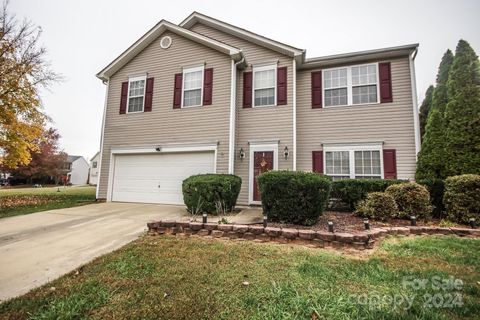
column 136, row 94
column 264, row 86
column 192, row 87
column 351, row 85
column 336, row 87
column 364, row 84
column 94, row 164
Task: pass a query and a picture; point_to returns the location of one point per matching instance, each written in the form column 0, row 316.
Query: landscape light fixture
column 366, row 224
column 265, row 221
column 413, row 221
column 330, row 226
column 472, row 223
column 204, row 218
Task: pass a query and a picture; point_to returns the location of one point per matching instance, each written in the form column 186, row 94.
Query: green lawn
column 190, row 278
column 27, row 200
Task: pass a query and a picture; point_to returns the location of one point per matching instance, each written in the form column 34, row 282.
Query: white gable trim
column 241, row 33
column 153, row 34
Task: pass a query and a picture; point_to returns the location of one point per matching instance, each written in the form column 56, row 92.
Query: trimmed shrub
column 351, row 191
column 462, row 197
column 377, row 205
column 412, row 199
column 211, row 193
column 294, row 196
column 436, row 188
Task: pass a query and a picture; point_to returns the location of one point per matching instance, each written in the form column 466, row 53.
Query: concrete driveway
column 40, row 247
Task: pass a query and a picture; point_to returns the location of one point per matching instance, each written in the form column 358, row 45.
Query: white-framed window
column 337, row 164
column 352, row 85
column 192, row 92
column 336, row 87
column 264, row 86
column 136, row 94
column 354, row 162
column 94, row 164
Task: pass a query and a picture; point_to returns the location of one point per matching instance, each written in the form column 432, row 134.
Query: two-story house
column 206, row 96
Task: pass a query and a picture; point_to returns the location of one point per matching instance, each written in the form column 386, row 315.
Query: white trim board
column 258, row 148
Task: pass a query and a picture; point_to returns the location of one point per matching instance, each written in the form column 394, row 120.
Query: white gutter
column 101, row 138
column 294, row 95
column 416, row 121
column 233, row 110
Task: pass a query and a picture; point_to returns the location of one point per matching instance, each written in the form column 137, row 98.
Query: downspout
column 101, row 137
column 416, row 121
column 233, row 101
column 294, row 95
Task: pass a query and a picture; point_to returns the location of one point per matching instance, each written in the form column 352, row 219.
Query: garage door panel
column 137, row 177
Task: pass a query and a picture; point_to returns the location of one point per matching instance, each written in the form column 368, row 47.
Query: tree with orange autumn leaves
column 23, row 72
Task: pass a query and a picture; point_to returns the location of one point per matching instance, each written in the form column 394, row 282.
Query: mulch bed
column 348, row 222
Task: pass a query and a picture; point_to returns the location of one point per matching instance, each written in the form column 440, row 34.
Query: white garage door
column 157, row 178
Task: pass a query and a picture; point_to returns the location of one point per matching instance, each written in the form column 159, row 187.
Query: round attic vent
column 165, row 42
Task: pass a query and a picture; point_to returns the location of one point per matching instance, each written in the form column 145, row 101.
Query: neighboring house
column 206, row 96
column 76, row 169
column 93, row 173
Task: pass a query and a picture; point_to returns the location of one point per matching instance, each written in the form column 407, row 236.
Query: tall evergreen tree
column 431, row 158
column 425, row 109
column 462, row 113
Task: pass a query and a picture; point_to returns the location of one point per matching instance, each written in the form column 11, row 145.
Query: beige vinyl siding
column 391, row 123
column 257, row 123
column 165, row 125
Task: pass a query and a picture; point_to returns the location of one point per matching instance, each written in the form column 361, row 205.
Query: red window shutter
column 389, row 164
column 282, row 86
column 317, row 161
column 385, row 82
column 177, row 91
column 317, row 89
column 247, row 89
column 207, row 86
column 124, row 97
column 148, row 95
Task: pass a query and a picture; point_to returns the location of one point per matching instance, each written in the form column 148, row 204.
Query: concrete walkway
column 40, row 247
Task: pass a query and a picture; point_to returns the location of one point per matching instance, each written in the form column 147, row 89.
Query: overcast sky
column 84, row 36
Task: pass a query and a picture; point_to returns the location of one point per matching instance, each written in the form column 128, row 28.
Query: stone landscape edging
column 360, row 240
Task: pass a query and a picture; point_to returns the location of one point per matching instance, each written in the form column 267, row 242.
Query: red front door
column 262, row 162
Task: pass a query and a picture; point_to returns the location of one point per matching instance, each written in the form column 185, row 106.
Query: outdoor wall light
column 242, row 154
column 413, row 221
column 285, row 152
column 330, row 226
column 366, row 224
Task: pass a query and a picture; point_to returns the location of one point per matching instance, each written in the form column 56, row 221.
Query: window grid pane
column 336, row 78
column 367, row 164
column 364, row 94
column 192, row 97
column 364, row 75
column 264, row 79
column 193, row 80
column 136, row 90
column 337, row 164
column 336, row 97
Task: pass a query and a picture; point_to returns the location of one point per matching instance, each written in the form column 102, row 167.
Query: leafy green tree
column 431, row 158
column 462, row 113
column 425, row 109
